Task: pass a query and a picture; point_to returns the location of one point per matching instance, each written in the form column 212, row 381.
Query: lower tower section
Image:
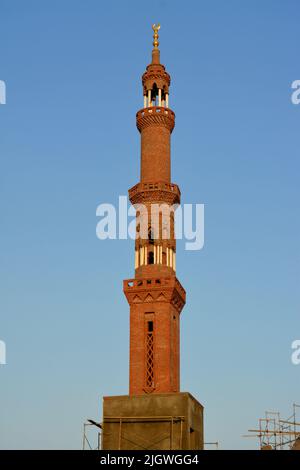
column 155, row 306
column 152, row 422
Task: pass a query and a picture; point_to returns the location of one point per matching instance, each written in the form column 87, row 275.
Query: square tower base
column 152, row 422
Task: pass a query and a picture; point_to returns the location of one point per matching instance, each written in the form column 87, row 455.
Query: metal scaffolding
column 275, row 433
column 91, row 440
column 93, row 432
column 140, row 441
column 214, row 444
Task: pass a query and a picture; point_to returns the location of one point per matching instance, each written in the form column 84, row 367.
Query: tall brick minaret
column 155, row 414
column 155, row 295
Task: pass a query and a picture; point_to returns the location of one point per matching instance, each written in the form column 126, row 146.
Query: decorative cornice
column 143, row 193
column 155, row 116
column 156, row 73
column 168, row 290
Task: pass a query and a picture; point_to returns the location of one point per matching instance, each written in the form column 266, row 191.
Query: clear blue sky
column 68, row 142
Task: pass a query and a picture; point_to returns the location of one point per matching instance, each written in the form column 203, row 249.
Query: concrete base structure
column 152, row 422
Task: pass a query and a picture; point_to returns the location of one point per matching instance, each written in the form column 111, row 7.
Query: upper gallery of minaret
column 155, row 151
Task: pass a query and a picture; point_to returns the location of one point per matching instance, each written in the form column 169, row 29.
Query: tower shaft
column 155, row 296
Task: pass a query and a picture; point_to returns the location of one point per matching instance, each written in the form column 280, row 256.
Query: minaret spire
column 155, row 50
column 156, row 28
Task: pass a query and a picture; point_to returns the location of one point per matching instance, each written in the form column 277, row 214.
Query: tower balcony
column 155, row 116
column 159, row 191
column 155, row 289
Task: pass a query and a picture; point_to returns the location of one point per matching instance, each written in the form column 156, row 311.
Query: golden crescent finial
column 156, row 28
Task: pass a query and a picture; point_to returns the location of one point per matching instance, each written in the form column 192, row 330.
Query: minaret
column 155, row 414
column 155, row 295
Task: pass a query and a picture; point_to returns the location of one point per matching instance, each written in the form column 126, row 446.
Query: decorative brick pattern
column 158, row 192
column 149, row 361
column 155, row 116
column 156, row 74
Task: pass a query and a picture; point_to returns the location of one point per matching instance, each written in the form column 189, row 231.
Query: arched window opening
column 151, row 258
column 155, row 94
column 151, row 235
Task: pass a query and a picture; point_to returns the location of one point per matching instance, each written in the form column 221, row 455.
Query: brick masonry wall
column 166, row 347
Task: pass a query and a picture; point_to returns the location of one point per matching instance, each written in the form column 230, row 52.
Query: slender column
column 154, row 251
column 159, row 97
column 167, row 256
column 145, row 101
column 141, row 256
column 167, row 100
column 136, row 263
column 174, row 260
column 149, row 98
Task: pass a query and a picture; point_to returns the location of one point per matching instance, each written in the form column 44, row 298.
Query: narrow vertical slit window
column 151, row 258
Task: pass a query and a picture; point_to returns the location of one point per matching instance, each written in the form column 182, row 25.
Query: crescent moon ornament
column 156, row 28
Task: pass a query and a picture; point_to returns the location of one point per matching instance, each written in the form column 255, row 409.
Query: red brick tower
column 155, row 295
